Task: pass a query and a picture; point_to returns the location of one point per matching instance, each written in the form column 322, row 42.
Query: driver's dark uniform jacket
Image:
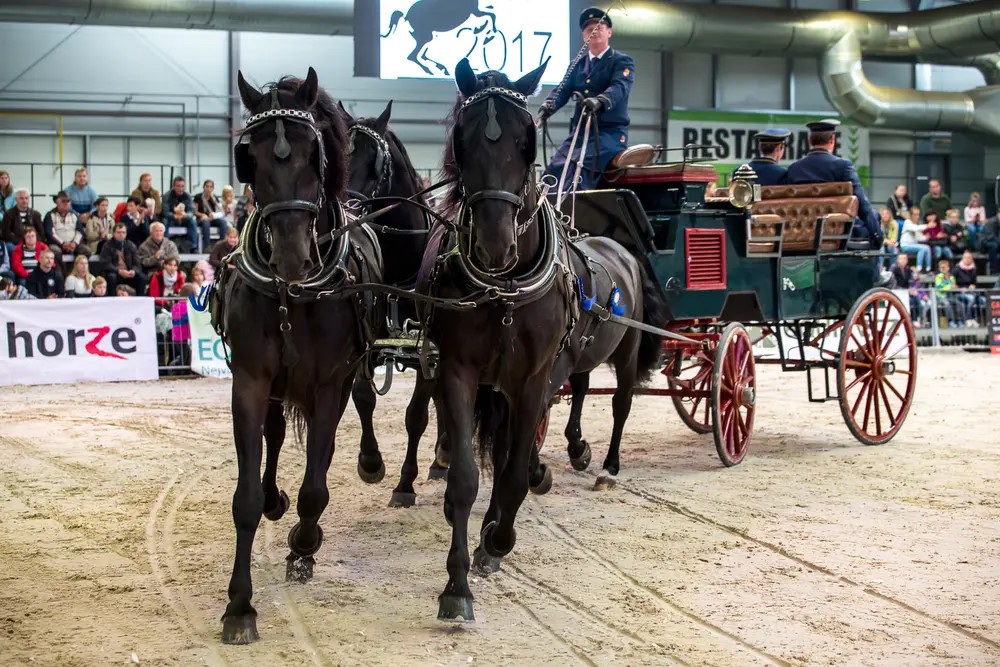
column 822, row 166
column 768, row 171
column 609, row 79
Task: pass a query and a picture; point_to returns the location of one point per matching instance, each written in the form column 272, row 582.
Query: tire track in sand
column 559, row 532
column 692, row 515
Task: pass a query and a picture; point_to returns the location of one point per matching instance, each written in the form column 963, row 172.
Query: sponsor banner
column 56, row 341
column 994, row 324
column 730, row 134
column 208, row 354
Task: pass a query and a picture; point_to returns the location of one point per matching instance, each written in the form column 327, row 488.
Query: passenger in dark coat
column 770, row 149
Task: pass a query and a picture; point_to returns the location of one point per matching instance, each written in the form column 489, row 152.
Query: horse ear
column 250, row 95
column 344, row 112
column 382, row 123
column 466, row 78
column 529, row 84
column 308, row 92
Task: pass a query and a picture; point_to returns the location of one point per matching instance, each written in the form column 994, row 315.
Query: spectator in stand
column 899, row 203
column 63, row 229
column 120, row 262
column 45, row 280
column 913, row 240
column 989, row 242
column 183, row 217
column 975, row 217
column 210, row 212
column 958, row 239
column 198, row 278
column 180, row 333
column 7, row 201
column 81, row 193
column 229, row 204
column 147, row 191
column 944, row 285
column 99, row 227
column 79, row 283
column 11, row 291
column 24, row 259
column 136, row 224
column 166, row 282
column 100, row 286
column 124, row 290
column 155, row 250
column 243, row 215
column 222, row 249
column 965, row 281
column 890, row 235
column 19, row 218
column 935, row 200
column 937, row 237
column 907, row 279
column 5, row 270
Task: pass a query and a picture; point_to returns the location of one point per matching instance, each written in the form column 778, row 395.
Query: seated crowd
column 120, row 252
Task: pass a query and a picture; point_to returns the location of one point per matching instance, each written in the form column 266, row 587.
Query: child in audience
column 181, row 332
column 124, row 290
column 166, row 282
column 100, row 286
column 944, row 285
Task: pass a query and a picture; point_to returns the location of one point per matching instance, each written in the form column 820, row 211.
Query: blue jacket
column 822, row 166
column 610, row 81
column 768, row 171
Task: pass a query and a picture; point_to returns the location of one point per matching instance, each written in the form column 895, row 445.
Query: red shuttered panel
column 706, row 258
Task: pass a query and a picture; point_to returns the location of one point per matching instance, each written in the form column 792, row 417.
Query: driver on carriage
column 603, row 78
column 770, row 149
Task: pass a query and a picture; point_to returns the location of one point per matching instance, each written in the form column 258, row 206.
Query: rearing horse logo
column 427, row 17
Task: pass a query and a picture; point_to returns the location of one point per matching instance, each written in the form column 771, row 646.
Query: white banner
column 208, row 355
column 56, row 341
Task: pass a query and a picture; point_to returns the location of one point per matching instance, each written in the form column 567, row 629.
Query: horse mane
column 449, row 166
column 331, row 124
column 394, row 142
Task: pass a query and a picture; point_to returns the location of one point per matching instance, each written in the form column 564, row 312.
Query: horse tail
column 491, row 423
column 396, row 16
column 297, row 419
column 655, row 313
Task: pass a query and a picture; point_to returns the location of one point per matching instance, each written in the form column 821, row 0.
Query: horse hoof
column 297, row 550
column 581, row 462
column 483, row 563
column 283, row 504
column 605, row 482
column 402, row 499
column 298, row 569
column 455, row 608
column 545, row 485
column 437, row 472
column 486, row 541
column 371, row 477
column 240, row 629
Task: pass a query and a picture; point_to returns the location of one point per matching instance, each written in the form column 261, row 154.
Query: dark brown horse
column 509, row 254
column 295, row 344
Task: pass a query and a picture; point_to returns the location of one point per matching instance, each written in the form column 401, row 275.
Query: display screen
column 425, row 39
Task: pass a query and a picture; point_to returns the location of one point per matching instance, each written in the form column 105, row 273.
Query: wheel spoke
column 861, row 395
column 868, row 405
column 861, row 346
column 894, row 390
column 745, row 362
column 885, row 320
column 884, row 349
column 878, row 410
column 854, row 363
column 888, row 408
column 863, row 377
column 868, row 336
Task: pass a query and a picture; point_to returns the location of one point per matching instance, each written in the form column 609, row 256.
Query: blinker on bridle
column 383, row 156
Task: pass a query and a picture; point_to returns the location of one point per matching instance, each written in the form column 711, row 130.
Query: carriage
column 756, row 275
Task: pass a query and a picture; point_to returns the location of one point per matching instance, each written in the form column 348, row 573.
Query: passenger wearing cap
column 603, row 77
column 820, row 165
column 770, row 149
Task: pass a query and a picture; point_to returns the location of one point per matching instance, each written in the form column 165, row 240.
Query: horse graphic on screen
column 427, row 17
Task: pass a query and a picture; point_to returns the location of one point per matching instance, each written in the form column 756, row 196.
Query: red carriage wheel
column 877, row 369
column 734, row 394
column 543, row 429
column 693, row 373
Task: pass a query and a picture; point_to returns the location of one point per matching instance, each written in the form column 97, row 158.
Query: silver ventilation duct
column 324, row 17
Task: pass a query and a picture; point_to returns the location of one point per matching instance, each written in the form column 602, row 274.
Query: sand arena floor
column 116, row 539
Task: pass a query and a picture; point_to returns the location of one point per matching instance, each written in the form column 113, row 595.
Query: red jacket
column 156, row 287
column 17, row 258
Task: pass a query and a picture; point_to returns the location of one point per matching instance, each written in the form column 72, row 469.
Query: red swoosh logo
column 92, row 348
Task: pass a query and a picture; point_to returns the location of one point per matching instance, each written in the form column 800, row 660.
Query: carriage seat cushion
column 800, row 216
column 633, row 156
column 672, row 172
column 807, row 190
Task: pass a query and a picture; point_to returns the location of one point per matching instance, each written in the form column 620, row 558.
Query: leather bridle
column 382, row 162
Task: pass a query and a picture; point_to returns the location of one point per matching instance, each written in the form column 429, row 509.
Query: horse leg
column 484, row 563
column 414, row 56
column 250, row 397
column 539, row 474
column 306, row 537
column 371, row 468
column 416, row 423
column 621, row 406
column 439, row 468
column 577, row 448
column 457, row 389
column 497, row 539
column 276, row 501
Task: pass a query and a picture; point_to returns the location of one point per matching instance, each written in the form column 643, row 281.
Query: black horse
column 294, row 342
column 427, row 17
column 507, row 252
column 381, row 170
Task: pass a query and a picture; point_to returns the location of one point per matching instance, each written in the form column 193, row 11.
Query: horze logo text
column 52, row 343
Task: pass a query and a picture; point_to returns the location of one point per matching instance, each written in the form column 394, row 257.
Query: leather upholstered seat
column 790, row 214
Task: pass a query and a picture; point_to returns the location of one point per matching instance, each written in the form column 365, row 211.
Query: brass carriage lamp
column 743, row 190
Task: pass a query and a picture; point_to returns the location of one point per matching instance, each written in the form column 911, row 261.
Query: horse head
column 283, row 156
column 370, row 170
column 493, row 145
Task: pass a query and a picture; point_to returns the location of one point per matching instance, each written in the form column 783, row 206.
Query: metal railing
column 173, row 358
column 958, row 317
